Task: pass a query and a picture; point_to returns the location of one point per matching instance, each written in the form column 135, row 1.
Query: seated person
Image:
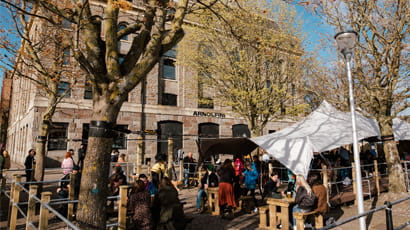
column 271, row 187
column 305, row 200
column 320, row 192
column 63, row 190
column 149, row 186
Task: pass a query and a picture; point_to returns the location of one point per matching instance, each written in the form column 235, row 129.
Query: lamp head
column 346, row 41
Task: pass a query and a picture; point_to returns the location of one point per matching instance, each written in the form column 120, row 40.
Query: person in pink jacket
column 67, row 164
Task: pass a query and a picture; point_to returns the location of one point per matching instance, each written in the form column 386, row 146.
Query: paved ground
column 401, row 214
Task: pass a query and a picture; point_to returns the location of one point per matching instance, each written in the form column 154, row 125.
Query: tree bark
column 94, row 184
column 391, row 153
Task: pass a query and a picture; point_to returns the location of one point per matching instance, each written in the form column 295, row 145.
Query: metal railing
column 389, row 217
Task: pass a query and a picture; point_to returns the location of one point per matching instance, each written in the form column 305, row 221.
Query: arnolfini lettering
column 208, row 114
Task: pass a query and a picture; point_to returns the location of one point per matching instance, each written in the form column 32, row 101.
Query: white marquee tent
column 324, row 129
column 401, row 129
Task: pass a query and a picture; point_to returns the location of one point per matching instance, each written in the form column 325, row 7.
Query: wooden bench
column 301, row 216
column 264, row 217
column 213, row 203
column 246, row 204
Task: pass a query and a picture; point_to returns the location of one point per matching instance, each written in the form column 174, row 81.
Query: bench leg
column 318, row 221
column 300, row 223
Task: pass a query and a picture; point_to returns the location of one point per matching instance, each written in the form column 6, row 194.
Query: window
column 66, row 24
column 167, row 129
column 240, row 130
column 63, row 88
column 169, row 99
column 57, row 136
column 168, row 69
column 121, row 58
column 172, row 53
column 208, row 130
column 66, row 56
column 203, row 101
column 120, row 140
column 88, row 91
column 121, row 27
column 268, row 83
column 272, row 131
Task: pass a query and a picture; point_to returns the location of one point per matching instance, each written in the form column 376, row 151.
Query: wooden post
column 270, row 167
column 326, row 180
column 13, row 184
column 31, row 208
column 13, row 203
column 181, row 170
column 377, row 177
column 354, row 183
column 122, row 208
column 139, row 155
column 71, row 196
column 45, row 199
column 170, row 154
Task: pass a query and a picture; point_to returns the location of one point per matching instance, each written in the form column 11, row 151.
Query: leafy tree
column 155, row 27
column 381, row 64
column 249, row 58
column 42, row 58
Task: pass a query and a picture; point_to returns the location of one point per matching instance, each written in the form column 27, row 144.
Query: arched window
column 121, row 27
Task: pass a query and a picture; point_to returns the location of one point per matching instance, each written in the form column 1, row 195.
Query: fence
column 16, row 206
column 389, row 217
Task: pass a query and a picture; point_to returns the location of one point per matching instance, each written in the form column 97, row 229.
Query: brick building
column 166, row 104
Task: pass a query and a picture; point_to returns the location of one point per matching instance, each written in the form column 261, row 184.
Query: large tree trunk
column 94, row 184
column 395, row 169
column 41, row 151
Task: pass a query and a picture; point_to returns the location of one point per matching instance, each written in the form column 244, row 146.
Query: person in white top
column 68, row 163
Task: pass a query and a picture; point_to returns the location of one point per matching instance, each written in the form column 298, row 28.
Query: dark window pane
column 66, row 56
column 240, row 130
column 57, row 137
column 169, row 99
column 64, row 87
column 88, row 91
column 121, row 27
column 171, row 53
column 206, row 103
column 208, row 130
column 168, row 129
column 169, row 69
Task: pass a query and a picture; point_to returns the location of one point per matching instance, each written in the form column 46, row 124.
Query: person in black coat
column 271, row 187
column 29, row 165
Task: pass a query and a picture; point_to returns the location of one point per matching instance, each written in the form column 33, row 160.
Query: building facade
column 164, row 105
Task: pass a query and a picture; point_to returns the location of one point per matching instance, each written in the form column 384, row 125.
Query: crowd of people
column 153, row 201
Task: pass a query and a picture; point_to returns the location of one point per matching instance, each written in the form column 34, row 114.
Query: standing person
column 305, row 199
column 67, row 164
column 271, row 187
column 225, row 194
column 139, row 203
column 158, row 170
column 189, row 168
column 81, row 155
column 114, row 155
column 251, row 177
column 63, row 190
column 6, row 163
column 29, row 163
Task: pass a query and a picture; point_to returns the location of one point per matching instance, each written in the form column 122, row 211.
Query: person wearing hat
column 158, row 170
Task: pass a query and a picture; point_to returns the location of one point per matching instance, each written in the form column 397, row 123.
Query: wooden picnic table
column 279, row 212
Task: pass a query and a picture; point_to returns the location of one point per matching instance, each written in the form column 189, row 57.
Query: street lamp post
column 346, row 42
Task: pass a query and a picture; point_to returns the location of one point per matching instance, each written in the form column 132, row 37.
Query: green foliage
column 248, row 57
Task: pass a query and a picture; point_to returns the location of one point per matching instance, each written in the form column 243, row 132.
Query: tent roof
column 401, row 129
column 238, row 145
column 324, row 129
